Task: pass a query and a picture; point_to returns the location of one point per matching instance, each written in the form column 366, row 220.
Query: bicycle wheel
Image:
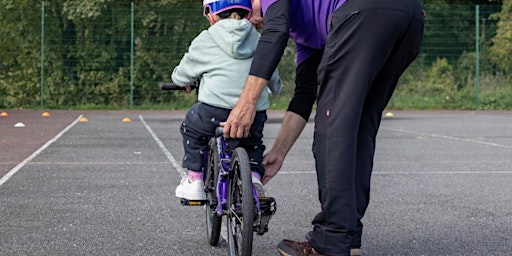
column 240, row 216
column 213, row 220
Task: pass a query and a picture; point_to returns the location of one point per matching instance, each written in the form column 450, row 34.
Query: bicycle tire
column 213, row 221
column 240, row 216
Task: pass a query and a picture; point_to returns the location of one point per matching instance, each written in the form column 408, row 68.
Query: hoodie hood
column 237, row 38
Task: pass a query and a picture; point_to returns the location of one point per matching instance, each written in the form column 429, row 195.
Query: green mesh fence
column 113, row 54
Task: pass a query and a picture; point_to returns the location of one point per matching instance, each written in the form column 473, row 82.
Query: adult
column 355, row 51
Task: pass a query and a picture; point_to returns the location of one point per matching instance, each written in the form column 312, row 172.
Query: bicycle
column 230, row 192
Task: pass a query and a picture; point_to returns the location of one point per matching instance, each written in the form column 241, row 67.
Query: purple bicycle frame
column 222, row 184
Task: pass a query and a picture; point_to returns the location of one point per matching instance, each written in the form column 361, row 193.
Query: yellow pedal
column 187, row 202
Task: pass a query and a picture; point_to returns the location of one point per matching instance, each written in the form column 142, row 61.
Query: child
column 221, row 56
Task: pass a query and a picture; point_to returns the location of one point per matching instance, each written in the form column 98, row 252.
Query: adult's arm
column 296, row 116
column 268, row 53
column 273, row 39
column 291, row 128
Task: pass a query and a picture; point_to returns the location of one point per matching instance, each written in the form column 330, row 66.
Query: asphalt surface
column 441, row 186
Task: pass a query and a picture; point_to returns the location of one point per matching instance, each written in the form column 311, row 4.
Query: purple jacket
column 309, row 23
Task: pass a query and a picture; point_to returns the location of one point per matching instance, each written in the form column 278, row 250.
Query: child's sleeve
column 274, row 84
column 188, row 70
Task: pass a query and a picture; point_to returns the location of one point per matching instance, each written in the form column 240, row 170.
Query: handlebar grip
column 170, row 87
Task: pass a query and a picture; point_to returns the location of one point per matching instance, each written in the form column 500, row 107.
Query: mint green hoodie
column 222, row 57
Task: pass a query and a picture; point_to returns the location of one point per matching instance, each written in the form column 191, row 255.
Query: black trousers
column 199, row 125
column 370, row 44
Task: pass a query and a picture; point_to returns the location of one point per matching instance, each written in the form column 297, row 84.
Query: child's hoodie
column 222, row 57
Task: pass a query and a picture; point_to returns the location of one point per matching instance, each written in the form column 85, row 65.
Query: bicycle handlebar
column 173, row 87
column 170, row 87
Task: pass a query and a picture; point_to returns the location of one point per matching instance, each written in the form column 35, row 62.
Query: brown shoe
column 294, row 248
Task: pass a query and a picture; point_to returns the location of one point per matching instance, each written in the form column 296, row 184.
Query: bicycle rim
column 240, row 217
column 213, row 221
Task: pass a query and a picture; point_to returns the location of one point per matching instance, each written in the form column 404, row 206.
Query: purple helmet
column 218, row 6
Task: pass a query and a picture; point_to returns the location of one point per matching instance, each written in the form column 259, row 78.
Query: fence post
column 42, row 54
column 477, row 50
column 131, row 55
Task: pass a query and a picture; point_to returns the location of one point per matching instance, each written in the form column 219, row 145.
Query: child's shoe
column 258, row 185
column 191, row 189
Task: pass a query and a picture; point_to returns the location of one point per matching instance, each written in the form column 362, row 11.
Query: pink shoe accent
column 193, row 175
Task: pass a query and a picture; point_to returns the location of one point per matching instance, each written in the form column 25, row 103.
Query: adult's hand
column 242, row 115
column 272, row 162
column 239, row 120
column 188, row 89
column 257, row 18
column 291, row 127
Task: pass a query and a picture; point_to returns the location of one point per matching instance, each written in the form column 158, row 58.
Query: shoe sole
column 259, row 190
column 188, row 196
column 283, row 253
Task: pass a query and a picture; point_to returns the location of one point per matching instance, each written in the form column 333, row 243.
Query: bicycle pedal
column 186, row 202
column 268, row 208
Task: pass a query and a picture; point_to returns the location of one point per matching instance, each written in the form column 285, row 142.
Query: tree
column 19, row 53
column 87, row 49
column 501, row 51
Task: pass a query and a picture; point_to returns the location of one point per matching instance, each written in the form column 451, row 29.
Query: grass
column 493, row 95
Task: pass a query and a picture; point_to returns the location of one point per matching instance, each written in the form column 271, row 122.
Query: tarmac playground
column 102, row 183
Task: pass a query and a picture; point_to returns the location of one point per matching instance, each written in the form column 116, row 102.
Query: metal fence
column 455, row 69
column 68, row 54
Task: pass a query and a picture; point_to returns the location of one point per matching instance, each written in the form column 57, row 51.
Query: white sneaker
column 191, row 189
column 259, row 186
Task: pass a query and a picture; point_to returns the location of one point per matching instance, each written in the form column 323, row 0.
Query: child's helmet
column 218, row 6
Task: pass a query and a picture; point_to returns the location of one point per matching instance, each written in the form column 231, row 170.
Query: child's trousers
column 199, row 125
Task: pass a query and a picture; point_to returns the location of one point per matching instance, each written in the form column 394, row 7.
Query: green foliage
column 441, row 77
column 435, row 88
column 88, row 50
column 19, row 54
column 431, row 89
column 286, row 70
column 454, row 31
column 88, row 64
column 501, row 51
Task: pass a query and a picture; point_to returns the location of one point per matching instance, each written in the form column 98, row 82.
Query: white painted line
column 447, row 172
column 37, row 152
column 296, row 172
column 167, row 153
column 418, row 172
column 447, row 137
column 97, row 163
